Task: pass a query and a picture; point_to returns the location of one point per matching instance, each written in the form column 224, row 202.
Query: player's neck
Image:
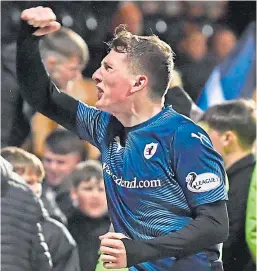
column 139, row 113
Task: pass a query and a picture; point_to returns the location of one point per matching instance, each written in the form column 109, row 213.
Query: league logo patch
column 150, row 150
column 203, row 182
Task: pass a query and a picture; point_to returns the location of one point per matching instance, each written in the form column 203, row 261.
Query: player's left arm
column 200, row 172
column 209, row 227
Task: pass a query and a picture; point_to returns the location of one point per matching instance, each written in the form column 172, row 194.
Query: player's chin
column 101, row 105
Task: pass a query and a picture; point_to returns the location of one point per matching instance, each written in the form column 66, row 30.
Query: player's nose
column 97, row 76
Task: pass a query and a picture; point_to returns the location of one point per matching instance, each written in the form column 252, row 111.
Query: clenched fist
column 113, row 250
column 41, row 17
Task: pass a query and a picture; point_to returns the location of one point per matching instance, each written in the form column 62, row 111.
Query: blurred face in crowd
column 64, row 71
column 195, row 45
column 33, row 181
column 58, row 166
column 114, row 82
column 224, row 143
column 216, row 138
column 223, row 43
column 90, row 197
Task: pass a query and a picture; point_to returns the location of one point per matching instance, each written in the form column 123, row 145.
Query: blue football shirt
column 166, row 167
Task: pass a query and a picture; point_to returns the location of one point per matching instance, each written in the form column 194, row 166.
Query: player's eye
column 107, row 67
column 88, row 188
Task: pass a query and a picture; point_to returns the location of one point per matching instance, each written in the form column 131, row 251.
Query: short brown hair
column 235, row 115
column 64, row 43
column 22, row 160
column 64, row 142
column 85, row 171
column 148, row 55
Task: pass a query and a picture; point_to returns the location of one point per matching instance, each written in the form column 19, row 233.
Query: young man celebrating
column 165, row 184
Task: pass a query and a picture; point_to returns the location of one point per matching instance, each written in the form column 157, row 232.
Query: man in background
column 65, row 55
column 232, row 128
column 62, row 152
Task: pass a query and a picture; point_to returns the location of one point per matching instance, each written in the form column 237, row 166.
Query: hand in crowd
column 113, row 250
column 41, row 17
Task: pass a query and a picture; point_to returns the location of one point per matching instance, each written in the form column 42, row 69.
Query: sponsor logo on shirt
column 150, row 150
column 117, row 139
column 135, row 183
column 203, row 182
column 201, row 137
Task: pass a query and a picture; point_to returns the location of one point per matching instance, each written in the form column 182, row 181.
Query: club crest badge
column 150, row 150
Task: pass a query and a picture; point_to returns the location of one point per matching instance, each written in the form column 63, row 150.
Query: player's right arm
column 40, row 92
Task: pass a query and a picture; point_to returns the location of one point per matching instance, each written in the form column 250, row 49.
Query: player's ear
column 229, row 139
column 139, row 83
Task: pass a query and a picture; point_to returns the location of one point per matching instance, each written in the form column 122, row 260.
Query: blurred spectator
column 173, row 8
column 14, row 125
column 204, row 12
column 91, row 20
column 180, row 100
column 194, row 9
column 250, row 224
column 65, row 54
column 222, row 42
column 194, row 64
column 63, row 151
column 62, row 246
column 151, row 7
column 128, row 13
column 232, row 128
column 216, row 10
column 23, row 246
column 90, row 219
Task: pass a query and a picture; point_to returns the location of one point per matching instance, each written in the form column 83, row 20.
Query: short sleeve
column 199, row 169
column 91, row 124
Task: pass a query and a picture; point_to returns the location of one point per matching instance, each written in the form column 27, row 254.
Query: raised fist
column 41, row 17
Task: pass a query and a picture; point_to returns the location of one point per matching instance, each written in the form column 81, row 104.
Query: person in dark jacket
column 232, row 128
column 61, row 245
column 90, row 219
column 23, row 247
column 15, row 125
column 180, row 100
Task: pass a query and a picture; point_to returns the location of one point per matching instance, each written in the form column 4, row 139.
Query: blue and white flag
column 235, row 76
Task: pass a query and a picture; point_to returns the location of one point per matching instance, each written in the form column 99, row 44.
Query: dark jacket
column 195, row 74
column 14, row 125
column 86, row 232
column 53, row 203
column 22, row 243
column 182, row 103
column 235, row 251
column 61, row 245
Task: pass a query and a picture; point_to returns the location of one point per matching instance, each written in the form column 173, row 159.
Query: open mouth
column 100, row 93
